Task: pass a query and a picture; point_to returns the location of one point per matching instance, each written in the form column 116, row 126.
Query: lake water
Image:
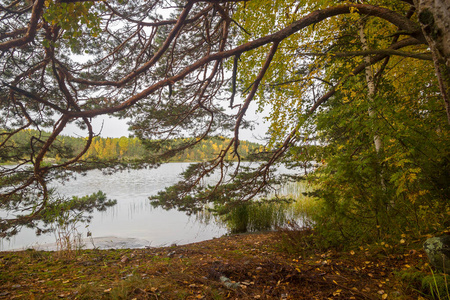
column 132, row 222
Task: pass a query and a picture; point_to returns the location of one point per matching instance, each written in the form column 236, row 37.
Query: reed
column 289, row 204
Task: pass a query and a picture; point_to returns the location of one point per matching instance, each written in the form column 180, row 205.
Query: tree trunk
column 434, row 16
column 370, row 83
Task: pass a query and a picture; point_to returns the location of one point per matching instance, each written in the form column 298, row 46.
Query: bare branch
column 252, row 93
column 358, row 69
column 386, row 52
column 31, row 31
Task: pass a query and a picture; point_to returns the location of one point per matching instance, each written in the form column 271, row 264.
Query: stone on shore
column 438, row 252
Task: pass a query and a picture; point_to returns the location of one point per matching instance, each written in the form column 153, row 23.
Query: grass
column 270, row 215
column 426, row 282
column 436, row 285
column 258, row 262
column 256, row 216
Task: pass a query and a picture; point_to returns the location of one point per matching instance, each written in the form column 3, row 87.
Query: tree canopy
column 367, row 81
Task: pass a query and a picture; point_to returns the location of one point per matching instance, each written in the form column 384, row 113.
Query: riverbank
column 250, row 266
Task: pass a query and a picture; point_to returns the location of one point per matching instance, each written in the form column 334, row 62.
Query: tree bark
column 370, row 79
column 434, row 17
column 370, row 82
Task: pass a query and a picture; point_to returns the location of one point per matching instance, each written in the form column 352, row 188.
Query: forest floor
column 247, row 266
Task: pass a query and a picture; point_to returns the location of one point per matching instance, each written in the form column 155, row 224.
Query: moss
column 412, row 278
column 437, row 286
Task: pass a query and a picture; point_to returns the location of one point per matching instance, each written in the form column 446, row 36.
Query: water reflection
column 133, row 216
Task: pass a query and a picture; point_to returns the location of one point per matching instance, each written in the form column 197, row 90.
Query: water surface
column 132, row 217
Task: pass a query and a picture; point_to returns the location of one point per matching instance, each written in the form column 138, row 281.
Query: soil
column 249, row 266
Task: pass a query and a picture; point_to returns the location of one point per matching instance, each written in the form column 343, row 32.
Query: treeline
column 123, row 148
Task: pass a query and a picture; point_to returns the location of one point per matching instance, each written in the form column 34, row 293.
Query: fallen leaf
column 63, row 295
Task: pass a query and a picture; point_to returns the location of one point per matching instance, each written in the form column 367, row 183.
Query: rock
column 438, row 252
column 228, row 283
column 127, row 276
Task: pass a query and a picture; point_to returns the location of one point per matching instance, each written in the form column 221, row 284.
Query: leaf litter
column 247, row 266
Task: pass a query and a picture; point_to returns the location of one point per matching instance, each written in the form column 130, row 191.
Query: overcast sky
column 112, row 127
column 106, row 126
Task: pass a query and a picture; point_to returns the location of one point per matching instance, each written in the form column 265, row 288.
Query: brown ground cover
column 250, row 266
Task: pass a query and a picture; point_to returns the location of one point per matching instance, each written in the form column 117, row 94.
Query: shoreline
column 242, row 266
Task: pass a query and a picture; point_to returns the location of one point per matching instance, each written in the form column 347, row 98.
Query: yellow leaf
column 353, row 9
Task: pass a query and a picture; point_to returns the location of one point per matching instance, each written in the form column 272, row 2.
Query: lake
column 132, row 222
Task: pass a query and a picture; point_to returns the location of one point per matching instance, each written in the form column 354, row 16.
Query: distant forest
column 123, row 148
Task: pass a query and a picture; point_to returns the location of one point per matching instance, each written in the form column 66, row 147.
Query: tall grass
column 255, row 216
column 69, row 241
column 264, row 215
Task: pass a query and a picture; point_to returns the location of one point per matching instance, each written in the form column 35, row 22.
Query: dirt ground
column 250, row 266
